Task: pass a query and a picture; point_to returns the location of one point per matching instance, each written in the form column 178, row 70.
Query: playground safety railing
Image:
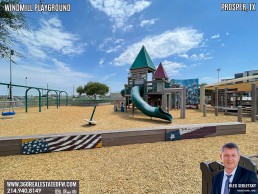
column 239, row 110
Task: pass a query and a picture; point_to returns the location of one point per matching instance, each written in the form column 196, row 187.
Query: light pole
column 218, row 70
column 10, row 89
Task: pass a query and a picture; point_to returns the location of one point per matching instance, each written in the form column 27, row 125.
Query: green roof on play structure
column 143, row 60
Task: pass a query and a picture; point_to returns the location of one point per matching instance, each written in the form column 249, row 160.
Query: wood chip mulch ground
column 164, row 167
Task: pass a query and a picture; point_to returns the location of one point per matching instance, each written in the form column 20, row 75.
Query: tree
column 80, row 90
column 95, row 88
column 10, row 24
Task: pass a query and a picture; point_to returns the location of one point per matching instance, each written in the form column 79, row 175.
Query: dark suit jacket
column 242, row 176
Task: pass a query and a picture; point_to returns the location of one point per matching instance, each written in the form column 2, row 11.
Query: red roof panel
column 160, row 73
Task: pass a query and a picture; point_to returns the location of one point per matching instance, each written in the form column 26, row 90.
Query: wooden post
column 202, row 97
column 241, row 99
column 221, row 100
column 204, row 110
column 226, row 99
column 216, row 101
column 239, row 113
column 126, row 103
column 234, row 99
column 164, row 100
column 146, row 85
column 132, row 101
column 163, row 85
column 173, row 100
column 145, row 90
column 179, row 96
column 164, row 97
column 168, row 104
column 254, row 108
column 183, row 103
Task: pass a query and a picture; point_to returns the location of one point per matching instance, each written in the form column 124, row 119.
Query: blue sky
column 99, row 40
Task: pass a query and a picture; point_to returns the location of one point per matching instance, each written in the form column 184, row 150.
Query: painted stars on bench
column 173, row 135
column 34, row 147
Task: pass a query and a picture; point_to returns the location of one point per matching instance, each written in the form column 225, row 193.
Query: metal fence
column 52, row 102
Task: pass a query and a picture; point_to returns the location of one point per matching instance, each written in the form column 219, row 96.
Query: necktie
column 226, row 189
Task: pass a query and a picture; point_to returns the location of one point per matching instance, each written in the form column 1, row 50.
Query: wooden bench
column 96, row 139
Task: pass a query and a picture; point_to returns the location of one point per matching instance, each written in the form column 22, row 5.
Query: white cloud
column 105, row 45
column 201, row 56
column 118, row 41
column 172, row 68
column 119, row 11
column 50, row 37
column 227, row 33
column 113, row 50
column 61, row 67
column 109, row 76
column 148, row 22
column 193, row 65
column 195, row 57
column 215, row 36
column 101, row 61
column 36, row 52
column 184, row 56
column 175, row 42
column 127, row 28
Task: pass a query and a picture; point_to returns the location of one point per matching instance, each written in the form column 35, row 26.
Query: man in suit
column 227, row 181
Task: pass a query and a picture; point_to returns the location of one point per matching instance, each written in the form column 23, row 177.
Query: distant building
column 246, row 74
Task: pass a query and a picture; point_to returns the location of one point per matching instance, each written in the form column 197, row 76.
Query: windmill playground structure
column 156, row 97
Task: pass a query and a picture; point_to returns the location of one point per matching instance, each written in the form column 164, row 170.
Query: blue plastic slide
column 146, row 108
